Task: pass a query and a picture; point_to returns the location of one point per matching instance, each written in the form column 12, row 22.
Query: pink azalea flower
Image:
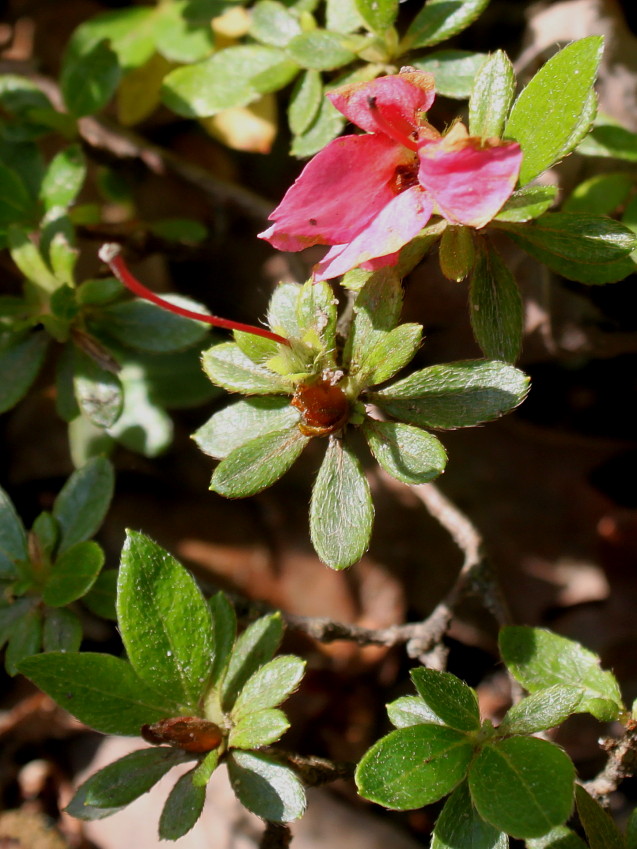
column 368, row 195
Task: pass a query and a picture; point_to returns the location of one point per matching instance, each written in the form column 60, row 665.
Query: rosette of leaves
column 502, row 781
column 45, row 571
column 190, row 686
column 307, row 390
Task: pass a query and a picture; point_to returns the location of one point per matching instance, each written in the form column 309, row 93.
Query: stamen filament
column 388, row 128
column 110, row 254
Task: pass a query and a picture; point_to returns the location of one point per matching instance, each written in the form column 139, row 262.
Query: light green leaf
column 341, row 510
column 411, row 710
column 227, row 366
column 179, row 39
column 253, row 648
column 440, row 19
column 544, row 709
column 128, row 778
column 393, row 351
column 378, row 15
column 495, row 306
column 316, row 311
column 342, row 16
column 182, row 809
column 376, row 312
column 64, row 178
column 320, row 50
column 540, row 659
column 450, row 699
column 407, row 453
column 130, row 33
column 305, row 101
column 325, row 126
column 243, row 421
column 73, row 574
column 601, row 831
column 525, row 204
column 523, row 785
column 414, row 766
column 29, row 259
column 258, row 463
column 83, row 501
column 457, row 252
column 550, row 108
column 266, row 788
column 20, row 362
column 459, row 826
column 88, row 80
column 492, row 96
column 454, row 70
column 600, row 195
column 272, row 23
column 258, row 729
column 460, row 394
column 164, row 621
column 62, row 631
column 203, row 771
column 269, row 686
column 559, row 837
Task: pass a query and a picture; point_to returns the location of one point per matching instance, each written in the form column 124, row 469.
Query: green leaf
column 98, row 391
column 202, row 773
column 540, row 659
column 100, row 690
column 16, row 205
column 544, row 709
column 253, row 648
column 25, row 640
column 88, row 80
column 187, row 230
column 460, row 825
column 601, row 831
column 64, row 178
column 81, row 811
column 57, row 243
column 610, row 140
column 128, row 778
column 10, row 613
column 182, row 809
column 320, row 50
column 272, row 23
column 305, row 101
column 47, row 530
column 559, row 837
column 586, row 248
column 326, row 125
column 83, row 501
column 378, row 15
column 414, row 766
column 316, row 311
column 227, row 366
column 100, row 599
column 164, row 621
column 282, row 310
column 13, row 538
column 230, row 77
column 20, row 362
column 131, row 33
column 492, row 96
column 148, row 327
column 342, row 16
column 411, row 710
column 523, row 785
column 439, row 20
column 243, row 421
column 176, row 38
column 62, row 631
column 393, row 351
column 549, row 109
column 258, row 463
column 376, row 312
column 269, row 686
column 631, row 830
column 450, row 699
column 457, row 252
column 341, row 510
column 73, row 574
column 29, row 259
column 224, row 629
column 525, row 204
column 268, row 789
column 600, row 195
column 460, row 394
column 495, row 306
column 454, row 70
column 406, row 453
column 258, row 729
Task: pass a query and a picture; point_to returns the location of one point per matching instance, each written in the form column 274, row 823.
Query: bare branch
column 621, row 763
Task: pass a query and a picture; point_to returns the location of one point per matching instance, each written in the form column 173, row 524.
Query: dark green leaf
column 411, row 710
column 226, row 365
column 243, row 421
column 376, row 312
column 100, row 599
column 16, row 205
column 414, row 766
column 73, row 574
column 125, row 780
column 378, row 15
column 10, row 613
column 78, row 808
column 258, row 729
column 20, row 362
column 13, row 538
column 407, row 453
column 320, row 50
column 266, row 788
column 341, row 510
column 453, row 395
column 147, row 327
column 64, row 178
column 165, row 623
column 83, row 501
column 527, row 203
column 586, row 248
column 495, row 306
column 540, row 659
column 326, row 125
column 99, row 689
column 522, row 785
column 610, row 140
column 559, row 837
column 544, row 709
column 98, row 391
column 258, row 463
column 182, row 809
column 600, row 195
column 492, row 96
column 187, row 230
column 440, row 19
column 88, row 81
column 99, row 291
column 269, row 686
column 272, row 23
column 305, row 101
column 47, row 531
column 459, row 826
column 631, row 830
column 224, row 628
column 451, row 700
column 62, row 631
column 253, row 648
column 457, row 252
column 25, row 640
column 454, row 70
column 601, row 831
column 550, row 108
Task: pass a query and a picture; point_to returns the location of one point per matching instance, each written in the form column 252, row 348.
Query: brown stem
column 277, row 835
column 621, row 763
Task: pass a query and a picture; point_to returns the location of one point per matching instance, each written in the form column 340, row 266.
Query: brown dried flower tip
column 189, row 733
column 324, row 407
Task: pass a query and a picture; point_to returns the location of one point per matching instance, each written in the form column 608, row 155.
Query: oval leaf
column 148, row 327
column 62, row 631
column 13, row 538
column 544, row 709
column 454, row 70
column 270, row 685
column 258, row 729
column 378, row 15
column 125, row 780
column 73, row 574
column 88, row 80
column 440, row 19
column 407, row 453
column 528, row 203
column 253, row 648
column 601, row 831
column 243, row 421
column 411, row 710
column 455, row 703
column 460, row 825
column 492, row 96
column 226, row 365
column 268, row 789
column 320, row 50
column 83, row 501
column 20, row 362
column 182, row 809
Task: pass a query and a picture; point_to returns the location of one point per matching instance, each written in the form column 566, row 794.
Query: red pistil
column 110, row 254
column 390, row 129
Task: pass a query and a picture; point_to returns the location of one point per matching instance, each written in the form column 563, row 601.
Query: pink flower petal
column 337, row 194
column 398, row 223
column 470, row 179
column 389, row 105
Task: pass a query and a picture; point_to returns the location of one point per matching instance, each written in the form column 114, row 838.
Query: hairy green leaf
column 459, row 826
column 268, row 789
column 495, row 306
column 407, row 453
column 440, row 19
column 73, row 574
column 492, row 96
column 83, row 501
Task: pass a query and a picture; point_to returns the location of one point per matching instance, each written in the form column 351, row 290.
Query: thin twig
column 277, row 835
column 621, row 763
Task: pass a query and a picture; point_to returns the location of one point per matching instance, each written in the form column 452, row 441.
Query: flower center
column 324, row 408
column 404, row 177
